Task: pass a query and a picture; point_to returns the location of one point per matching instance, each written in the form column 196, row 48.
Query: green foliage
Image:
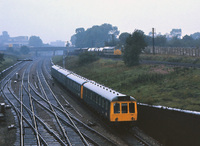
column 160, row 40
column 196, row 35
column 135, row 43
column 152, row 84
column 176, row 87
column 123, row 37
column 35, row 41
column 187, row 41
column 149, row 77
column 8, row 61
column 171, row 58
column 1, row 58
column 112, row 42
column 95, row 36
column 24, row 50
column 87, row 57
column 10, row 49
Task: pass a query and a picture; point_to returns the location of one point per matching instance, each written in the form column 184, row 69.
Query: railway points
column 41, row 118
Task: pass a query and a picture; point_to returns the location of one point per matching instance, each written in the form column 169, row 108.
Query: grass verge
column 9, row 60
column 176, row 87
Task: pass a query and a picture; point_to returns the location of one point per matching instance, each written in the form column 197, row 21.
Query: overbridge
column 51, row 51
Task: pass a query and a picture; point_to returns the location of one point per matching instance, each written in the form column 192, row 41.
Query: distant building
column 17, row 41
column 7, row 41
column 58, row 43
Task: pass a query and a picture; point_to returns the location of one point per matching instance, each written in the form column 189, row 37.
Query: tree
column 195, row 35
column 188, row 41
column 135, row 43
column 24, row 50
column 73, row 40
column 123, row 37
column 187, row 38
column 79, row 30
column 87, row 57
column 176, row 33
column 95, row 36
column 148, row 40
column 112, row 42
column 175, row 42
column 160, row 40
column 35, row 41
column 1, row 58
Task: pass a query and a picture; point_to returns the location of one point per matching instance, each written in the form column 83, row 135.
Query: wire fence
column 181, row 51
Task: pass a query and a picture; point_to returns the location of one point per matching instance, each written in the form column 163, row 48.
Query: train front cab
column 123, row 111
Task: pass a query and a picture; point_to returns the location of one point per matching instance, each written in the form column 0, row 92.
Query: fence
column 189, row 51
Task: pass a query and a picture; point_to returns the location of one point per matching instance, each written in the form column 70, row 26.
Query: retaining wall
column 170, row 127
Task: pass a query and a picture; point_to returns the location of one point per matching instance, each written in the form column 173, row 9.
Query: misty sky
column 57, row 19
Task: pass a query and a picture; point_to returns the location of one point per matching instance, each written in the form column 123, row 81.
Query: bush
column 87, row 57
column 135, row 43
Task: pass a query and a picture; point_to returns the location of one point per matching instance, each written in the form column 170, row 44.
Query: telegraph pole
column 153, row 41
column 63, row 59
column 65, row 54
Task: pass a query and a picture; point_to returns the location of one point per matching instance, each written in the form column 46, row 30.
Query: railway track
column 42, row 119
column 62, row 128
column 23, row 106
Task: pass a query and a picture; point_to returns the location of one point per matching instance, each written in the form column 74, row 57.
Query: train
column 102, row 51
column 112, row 105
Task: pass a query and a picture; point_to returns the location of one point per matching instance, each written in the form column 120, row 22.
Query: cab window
column 116, row 108
column 131, row 107
column 124, row 108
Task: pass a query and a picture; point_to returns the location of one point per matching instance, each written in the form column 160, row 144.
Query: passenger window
column 116, row 108
column 91, row 96
column 106, row 105
column 96, row 99
column 124, row 108
column 131, row 107
column 102, row 103
column 99, row 100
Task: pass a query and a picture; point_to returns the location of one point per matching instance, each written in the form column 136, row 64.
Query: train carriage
column 60, row 74
column 75, row 84
column 114, row 106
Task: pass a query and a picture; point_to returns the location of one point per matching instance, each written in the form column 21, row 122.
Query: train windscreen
column 124, row 108
column 116, row 108
column 132, row 107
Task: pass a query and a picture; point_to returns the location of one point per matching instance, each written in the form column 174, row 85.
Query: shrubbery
column 135, row 43
column 87, row 57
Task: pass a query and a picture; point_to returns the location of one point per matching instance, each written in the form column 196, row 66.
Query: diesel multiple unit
column 114, row 106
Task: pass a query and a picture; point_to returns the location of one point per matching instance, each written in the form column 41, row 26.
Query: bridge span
column 51, row 51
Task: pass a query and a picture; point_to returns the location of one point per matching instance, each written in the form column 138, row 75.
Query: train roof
column 56, row 67
column 101, row 90
column 106, row 92
column 107, row 48
column 64, row 72
column 78, row 79
column 61, row 70
column 101, row 49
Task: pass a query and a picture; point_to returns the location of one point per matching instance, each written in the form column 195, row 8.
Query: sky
column 53, row 20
